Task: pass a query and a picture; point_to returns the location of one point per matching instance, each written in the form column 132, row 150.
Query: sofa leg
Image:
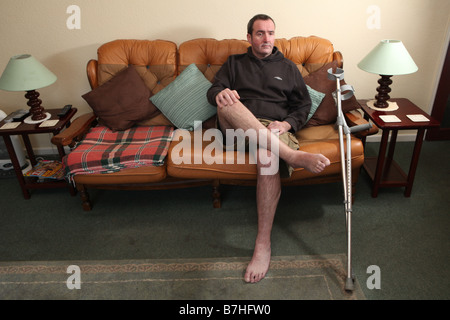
column 216, row 194
column 86, row 202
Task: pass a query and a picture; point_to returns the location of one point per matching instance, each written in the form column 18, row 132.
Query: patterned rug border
column 167, row 265
column 329, row 270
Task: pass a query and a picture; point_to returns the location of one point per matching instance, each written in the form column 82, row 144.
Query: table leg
column 414, row 161
column 30, row 152
column 62, row 153
column 380, row 163
column 16, row 165
column 390, row 155
column 364, row 138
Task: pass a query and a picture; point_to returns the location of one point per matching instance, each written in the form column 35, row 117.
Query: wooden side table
column 383, row 170
column 24, row 130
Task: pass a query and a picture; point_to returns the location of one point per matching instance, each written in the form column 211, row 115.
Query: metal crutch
column 346, row 161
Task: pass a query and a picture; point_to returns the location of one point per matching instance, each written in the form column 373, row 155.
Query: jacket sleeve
column 221, row 82
column 299, row 104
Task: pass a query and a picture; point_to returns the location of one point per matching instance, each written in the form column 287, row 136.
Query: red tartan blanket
column 105, row 151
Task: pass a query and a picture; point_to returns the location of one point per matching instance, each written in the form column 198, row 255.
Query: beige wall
column 39, row 28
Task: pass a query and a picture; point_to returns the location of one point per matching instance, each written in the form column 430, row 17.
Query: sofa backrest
column 160, row 61
column 155, row 61
column 308, row 53
column 208, row 54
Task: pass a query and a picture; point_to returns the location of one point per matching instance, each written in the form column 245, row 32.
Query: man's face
column 263, row 38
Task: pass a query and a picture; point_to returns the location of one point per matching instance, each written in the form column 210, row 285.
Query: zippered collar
column 275, row 56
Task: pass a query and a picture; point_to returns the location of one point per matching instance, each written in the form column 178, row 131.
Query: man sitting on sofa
column 263, row 84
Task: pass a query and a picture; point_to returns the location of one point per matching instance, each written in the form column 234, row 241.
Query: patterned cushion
column 184, row 101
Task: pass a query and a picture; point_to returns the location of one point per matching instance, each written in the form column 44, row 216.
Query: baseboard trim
column 48, row 151
column 400, row 138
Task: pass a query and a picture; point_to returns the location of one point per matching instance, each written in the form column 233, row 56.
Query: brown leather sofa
column 158, row 63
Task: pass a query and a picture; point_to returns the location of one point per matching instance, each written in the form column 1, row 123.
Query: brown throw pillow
column 326, row 113
column 122, row 101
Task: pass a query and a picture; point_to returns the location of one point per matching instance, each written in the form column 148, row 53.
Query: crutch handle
column 360, row 127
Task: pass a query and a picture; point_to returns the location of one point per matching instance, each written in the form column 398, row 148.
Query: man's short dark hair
column 257, row 17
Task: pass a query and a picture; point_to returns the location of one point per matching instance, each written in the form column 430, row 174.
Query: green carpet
column 291, row 278
column 407, row 238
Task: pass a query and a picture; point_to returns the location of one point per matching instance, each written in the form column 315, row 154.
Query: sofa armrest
column 355, row 118
column 91, row 70
column 76, row 131
column 337, row 56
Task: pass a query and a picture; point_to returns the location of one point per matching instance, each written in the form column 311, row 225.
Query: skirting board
column 48, row 151
column 400, row 138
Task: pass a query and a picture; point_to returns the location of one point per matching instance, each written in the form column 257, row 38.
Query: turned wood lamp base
column 36, row 110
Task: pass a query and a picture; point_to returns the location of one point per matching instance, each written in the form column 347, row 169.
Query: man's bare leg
column 268, row 191
column 238, row 116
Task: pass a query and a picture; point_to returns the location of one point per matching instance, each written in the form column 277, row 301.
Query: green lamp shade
column 389, row 57
column 24, row 73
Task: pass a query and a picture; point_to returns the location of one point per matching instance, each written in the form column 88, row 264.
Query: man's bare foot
column 259, row 265
column 314, row 162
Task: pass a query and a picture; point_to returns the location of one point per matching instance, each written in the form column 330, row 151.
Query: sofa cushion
column 326, row 113
column 159, row 120
column 146, row 174
column 186, row 160
column 316, row 134
column 155, row 61
column 209, row 54
column 308, row 53
column 316, row 100
column 184, row 101
column 122, row 101
column 103, row 151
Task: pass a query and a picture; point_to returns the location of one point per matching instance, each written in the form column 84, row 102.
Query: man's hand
column 280, row 126
column 227, row 97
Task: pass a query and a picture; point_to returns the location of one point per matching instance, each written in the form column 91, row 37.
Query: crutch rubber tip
column 349, row 285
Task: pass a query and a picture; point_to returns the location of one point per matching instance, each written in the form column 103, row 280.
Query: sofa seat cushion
column 330, row 149
column 145, row 174
column 318, row 133
column 103, row 151
column 190, row 161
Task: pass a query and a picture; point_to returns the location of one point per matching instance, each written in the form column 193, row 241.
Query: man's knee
column 228, row 110
column 267, row 162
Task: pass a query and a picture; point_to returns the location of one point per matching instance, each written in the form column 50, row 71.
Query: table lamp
column 388, row 58
column 25, row 73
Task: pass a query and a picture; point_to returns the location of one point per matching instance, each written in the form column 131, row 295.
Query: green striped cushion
column 184, row 100
column 316, row 100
